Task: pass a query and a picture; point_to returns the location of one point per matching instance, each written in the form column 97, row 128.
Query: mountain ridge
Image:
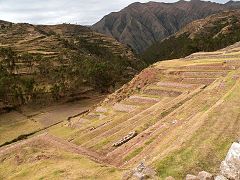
column 141, row 24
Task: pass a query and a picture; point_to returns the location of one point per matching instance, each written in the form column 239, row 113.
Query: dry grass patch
column 12, row 126
column 40, row 161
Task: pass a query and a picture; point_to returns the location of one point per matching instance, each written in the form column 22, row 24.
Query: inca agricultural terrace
column 166, row 105
column 180, row 117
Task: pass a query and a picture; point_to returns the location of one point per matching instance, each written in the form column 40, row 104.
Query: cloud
column 85, row 12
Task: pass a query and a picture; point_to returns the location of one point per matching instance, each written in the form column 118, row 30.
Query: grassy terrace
column 177, row 133
column 209, row 144
column 42, row 161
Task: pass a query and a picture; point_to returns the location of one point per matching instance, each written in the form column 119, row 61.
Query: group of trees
column 78, row 65
column 208, row 40
column 13, row 87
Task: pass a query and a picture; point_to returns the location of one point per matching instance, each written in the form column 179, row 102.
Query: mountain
column 59, row 60
column 173, row 118
column 212, row 33
column 233, row 3
column 141, row 24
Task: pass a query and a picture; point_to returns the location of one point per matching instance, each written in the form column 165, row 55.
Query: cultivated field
column 179, row 116
column 29, row 120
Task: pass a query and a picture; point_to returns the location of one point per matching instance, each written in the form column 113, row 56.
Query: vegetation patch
column 210, row 38
column 133, row 154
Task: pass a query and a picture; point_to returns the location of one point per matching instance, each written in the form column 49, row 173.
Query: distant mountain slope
column 141, row 24
column 60, row 60
column 209, row 34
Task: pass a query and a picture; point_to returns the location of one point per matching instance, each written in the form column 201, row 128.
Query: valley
column 182, row 111
column 148, row 92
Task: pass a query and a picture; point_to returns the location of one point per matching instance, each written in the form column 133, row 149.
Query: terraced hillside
column 61, row 60
column 179, row 116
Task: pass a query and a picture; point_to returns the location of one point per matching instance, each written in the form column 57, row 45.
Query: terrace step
column 139, row 120
column 113, row 120
column 78, row 122
column 195, row 113
column 208, row 67
column 124, row 107
column 156, row 130
column 96, row 116
column 200, row 74
column 176, row 85
column 116, row 124
column 161, row 92
column 143, row 99
column 206, row 81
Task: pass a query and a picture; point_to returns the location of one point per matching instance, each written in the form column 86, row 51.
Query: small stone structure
column 141, row 172
column 125, row 139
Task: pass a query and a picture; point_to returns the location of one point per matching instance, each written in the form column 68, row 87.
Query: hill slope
column 209, row 34
column 141, row 24
column 180, row 116
column 60, row 60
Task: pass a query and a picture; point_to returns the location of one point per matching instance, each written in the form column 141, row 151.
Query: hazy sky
column 85, row 12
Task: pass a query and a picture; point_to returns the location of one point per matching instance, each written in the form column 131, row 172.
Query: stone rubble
column 170, row 178
column 141, row 172
column 125, row 139
column 191, row 177
column 220, row 177
column 203, row 175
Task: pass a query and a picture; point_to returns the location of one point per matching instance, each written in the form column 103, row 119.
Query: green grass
column 146, row 125
column 205, row 150
column 208, row 146
column 192, row 160
column 58, row 165
column 133, row 154
column 149, row 141
column 13, row 130
column 62, row 131
column 102, row 143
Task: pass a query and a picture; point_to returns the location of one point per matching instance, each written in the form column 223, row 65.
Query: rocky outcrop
column 141, row 172
column 220, row 177
column 203, row 175
column 229, row 169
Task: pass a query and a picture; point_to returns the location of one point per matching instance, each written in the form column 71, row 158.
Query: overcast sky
column 85, row 12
